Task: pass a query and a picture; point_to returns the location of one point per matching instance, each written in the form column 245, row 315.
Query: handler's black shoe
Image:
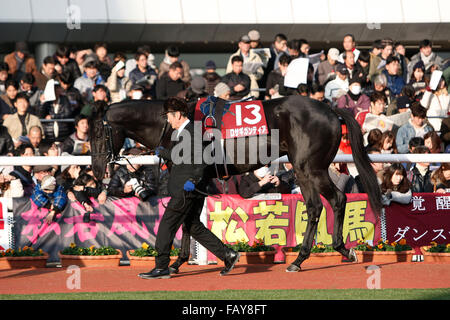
column 231, row 257
column 156, row 274
column 174, row 268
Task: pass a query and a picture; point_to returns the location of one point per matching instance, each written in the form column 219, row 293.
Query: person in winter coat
column 420, row 173
column 211, row 77
column 261, row 181
column 437, row 103
column 354, row 100
column 117, row 83
column 440, row 178
column 395, row 186
column 48, row 194
column 426, row 55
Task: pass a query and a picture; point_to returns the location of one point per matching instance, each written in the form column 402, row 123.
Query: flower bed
column 439, row 253
column 384, row 252
column 90, row 257
column 22, row 258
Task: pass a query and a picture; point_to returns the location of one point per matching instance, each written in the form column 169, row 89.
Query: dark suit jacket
column 185, row 169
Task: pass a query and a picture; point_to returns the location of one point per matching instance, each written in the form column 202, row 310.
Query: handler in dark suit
column 185, row 205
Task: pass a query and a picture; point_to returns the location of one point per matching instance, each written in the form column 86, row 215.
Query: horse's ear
column 99, row 108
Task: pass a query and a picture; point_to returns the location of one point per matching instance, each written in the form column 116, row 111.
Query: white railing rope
column 154, row 160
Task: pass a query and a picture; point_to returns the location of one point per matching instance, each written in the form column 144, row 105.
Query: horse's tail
column 362, row 160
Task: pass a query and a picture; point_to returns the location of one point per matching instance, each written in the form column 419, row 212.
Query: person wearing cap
column 40, row 171
column 212, row 78
column 327, row 69
column 19, row 123
column 172, row 54
column 117, row 83
column 20, row 61
column 337, row 87
column 255, row 38
column 195, row 91
column 48, row 194
column 90, row 78
column 185, row 205
column 46, row 72
column 57, row 109
column 354, row 100
column 222, row 91
column 252, row 64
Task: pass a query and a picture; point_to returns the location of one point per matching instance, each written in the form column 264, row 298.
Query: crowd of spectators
column 399, row 103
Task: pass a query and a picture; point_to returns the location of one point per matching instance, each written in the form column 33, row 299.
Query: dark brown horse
column 309, row 134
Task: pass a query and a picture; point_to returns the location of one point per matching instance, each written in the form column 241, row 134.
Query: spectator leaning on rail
column 261, row 181
column 252, row 64
column 420, row 174
column 395, row 185
column 417, row 126
column 133, row 180
column 48, row 194
column 441, row 178
column 20, row 61
column 20, row 122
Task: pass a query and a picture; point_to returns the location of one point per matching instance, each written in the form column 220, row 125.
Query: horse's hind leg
column 314, row 208
column 337, row 199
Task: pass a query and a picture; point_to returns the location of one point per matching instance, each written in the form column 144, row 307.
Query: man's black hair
column 173, row 51
column 62, row 52
column 284, row 59
column 415, row 142
column 4, row 66
column 237, row 58
column 49, row 59
column 28, row 78
column 425, row 43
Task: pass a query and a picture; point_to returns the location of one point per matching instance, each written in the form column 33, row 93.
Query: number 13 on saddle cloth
column 239, row 119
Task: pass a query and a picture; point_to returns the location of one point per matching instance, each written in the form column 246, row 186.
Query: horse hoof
column 293, row 268
column 352, row 255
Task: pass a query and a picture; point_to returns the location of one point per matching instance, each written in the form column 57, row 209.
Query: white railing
column 154, row 160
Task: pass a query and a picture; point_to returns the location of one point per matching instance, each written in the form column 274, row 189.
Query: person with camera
column 133, row 180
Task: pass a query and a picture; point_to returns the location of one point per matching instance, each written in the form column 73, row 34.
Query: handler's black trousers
column 186, row 211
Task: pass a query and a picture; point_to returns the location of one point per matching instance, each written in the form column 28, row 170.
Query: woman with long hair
column 441, row 178
column 395, row 185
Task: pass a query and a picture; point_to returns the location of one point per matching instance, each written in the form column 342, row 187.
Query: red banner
column 241, row 119
column 283, row 222
column 425, row 219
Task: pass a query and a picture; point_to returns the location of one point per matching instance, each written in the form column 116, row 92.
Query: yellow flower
column 448, row 245
column 380, row 246
column 25, row 248
column 40, row 251
column 92, row 248
column 144, row 245
column 394, row 244
column 73, row 245
column 433, row 244
column 402, row 242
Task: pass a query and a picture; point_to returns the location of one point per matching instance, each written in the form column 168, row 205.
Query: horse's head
column 98, row 140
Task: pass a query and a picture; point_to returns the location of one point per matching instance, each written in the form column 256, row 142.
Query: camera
column 139, row 189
